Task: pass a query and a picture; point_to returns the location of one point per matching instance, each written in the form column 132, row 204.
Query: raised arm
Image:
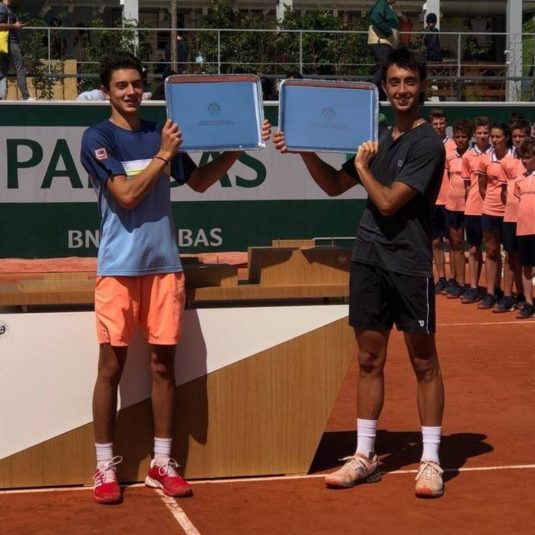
column 207, row 175
column 130, row 191
column 332, row 181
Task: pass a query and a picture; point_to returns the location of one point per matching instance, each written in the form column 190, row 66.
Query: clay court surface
column 489, row 430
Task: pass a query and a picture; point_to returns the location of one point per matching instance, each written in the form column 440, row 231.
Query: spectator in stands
column 58, row 43
column 81, row 40
column 383, row 35
column 405, row 28
column 9, row 21
column 431, row 39
column 181, row 55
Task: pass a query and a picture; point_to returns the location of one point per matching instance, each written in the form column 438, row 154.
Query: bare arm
column 15, row 26
column 482, row 181
column 130, row 191
column 387, row 199
column 467, row 184
column 207, row 175
column 332, row 181
column 203, row 177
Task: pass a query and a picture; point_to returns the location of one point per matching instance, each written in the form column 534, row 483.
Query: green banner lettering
column 13, row 163
column 61, row 150
column 257, row 166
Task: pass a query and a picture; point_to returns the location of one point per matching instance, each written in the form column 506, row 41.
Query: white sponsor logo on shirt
column 101, row 154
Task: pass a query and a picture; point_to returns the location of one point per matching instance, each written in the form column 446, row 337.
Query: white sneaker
column 429, row 482
column 357, row 469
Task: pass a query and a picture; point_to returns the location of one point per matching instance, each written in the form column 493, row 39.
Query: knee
column 457, row 245
column 493, row 253
column 426, row 368
column 110, row 372
column 162, row 369
column 370, row 363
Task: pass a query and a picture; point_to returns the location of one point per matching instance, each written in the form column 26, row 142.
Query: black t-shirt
column 402, row 242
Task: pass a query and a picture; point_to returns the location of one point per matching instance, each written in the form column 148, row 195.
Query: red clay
column 487, row 362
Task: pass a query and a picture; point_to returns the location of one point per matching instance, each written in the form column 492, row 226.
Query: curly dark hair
column 116, row 61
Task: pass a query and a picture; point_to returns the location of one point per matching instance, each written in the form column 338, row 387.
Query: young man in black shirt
column 391, row 277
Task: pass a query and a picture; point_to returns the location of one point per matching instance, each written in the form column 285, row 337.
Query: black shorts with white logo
column 378, row 299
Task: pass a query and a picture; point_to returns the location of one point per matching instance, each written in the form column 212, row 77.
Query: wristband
column 163, row 159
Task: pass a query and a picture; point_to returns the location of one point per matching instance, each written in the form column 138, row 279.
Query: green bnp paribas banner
column 48, row 209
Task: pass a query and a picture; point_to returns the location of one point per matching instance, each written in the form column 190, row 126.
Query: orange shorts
column 154, row 302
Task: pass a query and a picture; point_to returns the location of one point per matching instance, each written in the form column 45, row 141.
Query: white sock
column 431, row 443
column 162, row 449
column 366, row 431
column 104, row 454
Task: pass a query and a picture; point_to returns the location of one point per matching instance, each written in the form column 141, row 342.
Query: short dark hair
column 116, row 61
column 521, row 125
column 437, row 113
column 406, row 59
column 403, row 57
column 466, row 126
column 481, row 120
column 431, row 17
column 527, row 148
column 516, row 116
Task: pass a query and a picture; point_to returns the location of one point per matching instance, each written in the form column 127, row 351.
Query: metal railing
column 498, row 62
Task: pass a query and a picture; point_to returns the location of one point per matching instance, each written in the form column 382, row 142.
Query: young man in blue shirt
column 139, row 275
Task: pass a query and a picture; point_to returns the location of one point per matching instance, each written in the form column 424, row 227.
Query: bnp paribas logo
column 214, row 108
column 328, row 113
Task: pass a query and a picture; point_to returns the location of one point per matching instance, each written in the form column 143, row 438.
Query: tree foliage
column 314, row 42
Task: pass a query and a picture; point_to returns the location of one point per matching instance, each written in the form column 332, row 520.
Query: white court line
column 395, row 472
column 468, row 324
column 277, row 478
column 178, row 513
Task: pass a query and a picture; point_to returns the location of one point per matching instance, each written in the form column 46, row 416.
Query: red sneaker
column 165, row 477
column 106, row 489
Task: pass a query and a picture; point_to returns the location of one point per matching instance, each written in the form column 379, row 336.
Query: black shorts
column 474, row 229
column 526, row 246
column 454, row 219
column 438, row 222
column 510, row 241
column 380, row 298
column 492, row 223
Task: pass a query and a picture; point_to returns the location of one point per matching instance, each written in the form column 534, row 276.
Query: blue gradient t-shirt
column 140, row 241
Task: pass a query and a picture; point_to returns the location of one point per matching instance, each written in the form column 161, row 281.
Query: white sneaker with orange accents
column 429, row 482
column 357, row 469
